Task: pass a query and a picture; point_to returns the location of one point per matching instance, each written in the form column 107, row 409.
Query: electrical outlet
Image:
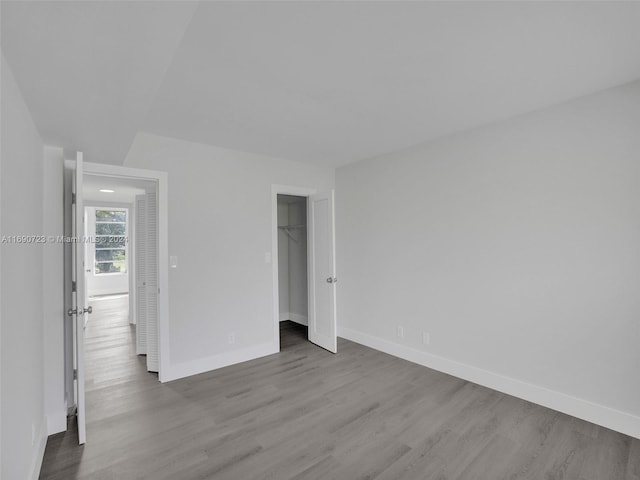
column 426, row 338
column 400, row 332
column 231, row 338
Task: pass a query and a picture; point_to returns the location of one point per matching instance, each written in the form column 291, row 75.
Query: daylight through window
column 111, row 231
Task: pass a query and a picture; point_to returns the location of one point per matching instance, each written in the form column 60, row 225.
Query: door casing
column 161, row 179
column 275, row 191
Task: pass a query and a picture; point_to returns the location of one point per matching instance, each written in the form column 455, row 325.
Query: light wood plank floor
column 308, row 414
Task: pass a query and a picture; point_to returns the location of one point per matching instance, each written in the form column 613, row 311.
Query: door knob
column 88, row 309
column 332, row 280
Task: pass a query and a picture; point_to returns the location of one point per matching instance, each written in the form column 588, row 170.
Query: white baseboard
column 56, row 423
column 38, row 450
column 301, row 319
column 186, row 369
column 284, row 316
column 619, row 421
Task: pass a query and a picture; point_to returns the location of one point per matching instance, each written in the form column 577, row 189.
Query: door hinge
column 74, row 286
column 75, row 374
column 73, row 198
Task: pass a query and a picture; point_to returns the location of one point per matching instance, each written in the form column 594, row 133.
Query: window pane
column 110, row 241
column 107, row 255
column 111, row 267
column 110, row 229
column 110, row 216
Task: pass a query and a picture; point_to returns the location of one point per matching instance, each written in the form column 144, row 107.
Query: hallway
column 110, row 350
column 117, row 384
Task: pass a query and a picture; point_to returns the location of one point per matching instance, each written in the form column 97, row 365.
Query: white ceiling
column 321, row 82
column 89, row 71
column 124, row 189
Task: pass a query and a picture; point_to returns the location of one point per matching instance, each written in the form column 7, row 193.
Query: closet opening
column 303, row 265
column 292, row 269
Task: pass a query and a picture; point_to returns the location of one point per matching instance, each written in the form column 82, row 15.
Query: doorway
column 121, row 219
column 292, row 260
column 303, row 234
column 111, row 240
column 108, row 255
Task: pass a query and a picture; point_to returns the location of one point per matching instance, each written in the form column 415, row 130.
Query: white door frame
column 162, row 179
column 275, row 191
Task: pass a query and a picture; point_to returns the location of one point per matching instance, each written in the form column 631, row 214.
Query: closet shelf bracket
column 287, row 229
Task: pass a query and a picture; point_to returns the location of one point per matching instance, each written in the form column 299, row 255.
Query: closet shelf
column 287, row 229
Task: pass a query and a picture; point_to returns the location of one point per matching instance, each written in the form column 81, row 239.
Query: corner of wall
column 56, row 423
column 202, row 365
column 52, row 289
column 39, row 447
column 297, row 318
column 22, row 391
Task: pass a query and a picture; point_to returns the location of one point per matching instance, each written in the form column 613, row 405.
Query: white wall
column 2, row 126
column 292, row 260
column 23, row 415
column 298, row 264
column 283, row 260
column 220, row 230
column 516, row 247
column 54, row 314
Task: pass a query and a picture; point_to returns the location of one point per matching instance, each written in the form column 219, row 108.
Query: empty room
column 320, row 240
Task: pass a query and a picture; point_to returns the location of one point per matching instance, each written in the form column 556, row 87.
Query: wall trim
column 298, row 318
column 202, row 365
column 275, row 191
column 56, row 423
column 284, row 316
column 613, row 419
column 38, row 450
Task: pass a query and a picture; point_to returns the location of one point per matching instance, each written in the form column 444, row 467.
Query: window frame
column 125, row 248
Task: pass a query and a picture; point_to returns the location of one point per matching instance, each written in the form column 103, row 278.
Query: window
column 111, row 241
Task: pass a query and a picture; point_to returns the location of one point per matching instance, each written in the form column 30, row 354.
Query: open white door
column 322, row 271
column 79, row 309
